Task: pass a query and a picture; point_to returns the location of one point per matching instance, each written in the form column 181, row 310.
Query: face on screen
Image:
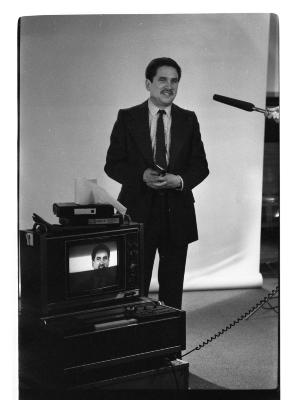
column 100, row 260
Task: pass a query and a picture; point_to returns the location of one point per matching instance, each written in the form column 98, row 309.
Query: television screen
column 92, row 266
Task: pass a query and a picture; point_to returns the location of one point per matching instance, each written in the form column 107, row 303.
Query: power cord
column 245, row 316
column 270, row 307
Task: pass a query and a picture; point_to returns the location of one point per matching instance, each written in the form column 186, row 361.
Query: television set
column 73, row 270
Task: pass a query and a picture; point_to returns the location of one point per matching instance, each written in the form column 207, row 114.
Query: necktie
column 160, row 154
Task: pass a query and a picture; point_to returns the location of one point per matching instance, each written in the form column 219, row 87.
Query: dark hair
column 153, row 66
column 99, row 247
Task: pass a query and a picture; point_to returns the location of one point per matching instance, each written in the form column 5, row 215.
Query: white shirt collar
column 154, row 109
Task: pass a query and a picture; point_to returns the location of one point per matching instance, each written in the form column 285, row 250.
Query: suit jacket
column 130, row 153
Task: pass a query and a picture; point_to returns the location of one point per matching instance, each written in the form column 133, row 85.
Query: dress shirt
column 153, row 116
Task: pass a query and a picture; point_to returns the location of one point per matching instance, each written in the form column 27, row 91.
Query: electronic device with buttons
column 87, row 318
column 59, row 275
column 72, row 214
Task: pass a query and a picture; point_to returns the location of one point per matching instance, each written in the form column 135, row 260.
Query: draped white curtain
column 77, row 71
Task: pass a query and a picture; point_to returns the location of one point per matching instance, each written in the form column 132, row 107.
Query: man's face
column 101, row 260
column 164, row 86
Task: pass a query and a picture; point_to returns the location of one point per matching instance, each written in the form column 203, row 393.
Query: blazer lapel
column 141, row 132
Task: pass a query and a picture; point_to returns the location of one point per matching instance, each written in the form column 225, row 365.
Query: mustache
column 169, row 91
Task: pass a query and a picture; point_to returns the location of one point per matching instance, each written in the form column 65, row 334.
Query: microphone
column 243, row 105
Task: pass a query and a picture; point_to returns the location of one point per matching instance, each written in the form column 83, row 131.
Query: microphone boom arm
column 261, row 110
column 243, row 105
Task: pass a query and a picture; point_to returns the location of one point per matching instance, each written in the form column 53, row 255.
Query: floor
column 233, row 355
column 245, row 357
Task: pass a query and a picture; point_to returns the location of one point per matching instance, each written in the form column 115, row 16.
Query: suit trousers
column 172, row 258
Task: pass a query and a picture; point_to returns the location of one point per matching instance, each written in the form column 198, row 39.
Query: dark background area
column 270, row 232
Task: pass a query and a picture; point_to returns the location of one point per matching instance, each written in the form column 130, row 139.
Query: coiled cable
column 236, row 321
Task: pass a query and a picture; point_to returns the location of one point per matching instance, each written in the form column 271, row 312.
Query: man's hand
column 156, row 181
column 171, row 181
column 153, row 179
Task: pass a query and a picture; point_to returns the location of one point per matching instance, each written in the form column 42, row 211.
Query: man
column 103, row 274
column 158, row 135
column 100, row 256
column 100, row 276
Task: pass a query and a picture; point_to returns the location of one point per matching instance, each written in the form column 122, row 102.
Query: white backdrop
column 77, row 71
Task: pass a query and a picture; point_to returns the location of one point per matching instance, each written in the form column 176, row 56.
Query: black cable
column 236, row 321
column 271, row 307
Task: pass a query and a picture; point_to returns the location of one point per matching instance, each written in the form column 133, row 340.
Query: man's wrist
column 180, row 183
